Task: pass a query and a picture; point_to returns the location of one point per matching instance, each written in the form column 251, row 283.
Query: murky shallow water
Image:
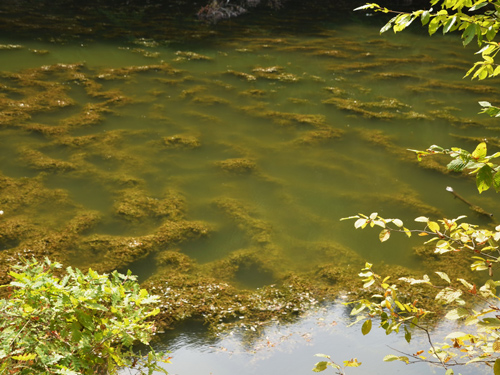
column 243, row 149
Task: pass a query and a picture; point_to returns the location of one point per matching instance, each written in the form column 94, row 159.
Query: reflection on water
column 231, row 159
column 291, row 349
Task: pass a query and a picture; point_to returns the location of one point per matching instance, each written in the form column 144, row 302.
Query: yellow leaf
column 352, row 363
column 480, row 151
column 384, row 235
column 24, row 357
column 433, row 226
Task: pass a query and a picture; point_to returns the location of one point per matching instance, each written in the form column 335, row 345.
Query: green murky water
column 232, row 156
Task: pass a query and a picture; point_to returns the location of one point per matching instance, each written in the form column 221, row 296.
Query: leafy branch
column 323, row 365
column 461, row 16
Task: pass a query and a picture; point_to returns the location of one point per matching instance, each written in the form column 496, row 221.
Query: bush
column 77, row 324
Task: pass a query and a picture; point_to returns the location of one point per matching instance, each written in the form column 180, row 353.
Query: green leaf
column 490, row 323
column 426, row 15
column 366, row 327
column 496, row 181
column 484, row 178
column 449, row 24
column 491, row 33
column 407, row 335
column 434, row 25
column 85, row 320
column 320, row 366
column 457, row 165
column 477, row 6
column 496, row 367
column 388, row 25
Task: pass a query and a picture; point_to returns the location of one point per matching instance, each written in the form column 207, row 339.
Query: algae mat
column 217, row 168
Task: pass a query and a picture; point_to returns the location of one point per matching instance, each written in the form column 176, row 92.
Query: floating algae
column 181, row 141
column 237, row 165
column 126, row 72
column 10, row 46
column 185, row 55
column 243, row 75
column 210, row 100
column 356, row 66
column 318, row 136
column 91, row 114
column 256, row 93
column 174, row 82
column 39, row 51
column 174, row 260
column 134, row 204
column 275, row 73
column 142, row 51
column 396, row 76
column 192, row 92
column 263, row 266
column 474, row 141
column 222, row 307
column 259, row 231
column 437, row 86
column 338, row 266
column 332, row 53
column 454, row 120
column 355, row 106
column 284, row 118
column 203, row 117
column 436, row 162
column 337, row 91
column 37, row 160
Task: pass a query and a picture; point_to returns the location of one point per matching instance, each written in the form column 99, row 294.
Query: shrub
column 77, row 324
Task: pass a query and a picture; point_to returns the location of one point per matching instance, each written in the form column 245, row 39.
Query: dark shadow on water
column 250, row 276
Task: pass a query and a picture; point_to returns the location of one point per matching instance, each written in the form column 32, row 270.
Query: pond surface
column 223, row 157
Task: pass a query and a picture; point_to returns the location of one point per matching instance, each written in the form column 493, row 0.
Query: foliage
column 476, row 307
column 323, row 365
column 461, row 16
column 487, row 173
column 80, row 324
